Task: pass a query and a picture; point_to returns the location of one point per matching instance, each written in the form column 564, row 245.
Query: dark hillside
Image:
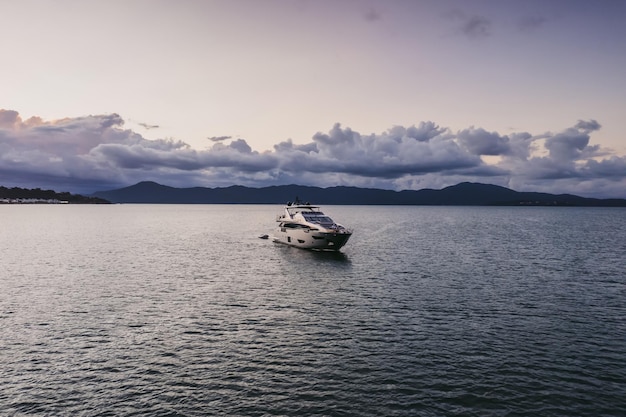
column 461, row 194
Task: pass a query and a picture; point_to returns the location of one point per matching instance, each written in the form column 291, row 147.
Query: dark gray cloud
column 477, row 27
column 91, row 153
column 480, row 142
column 573, row 144
column 588, row 126
column 148, row 127
column 219, row 138
column 610, row 168
column 567, row 146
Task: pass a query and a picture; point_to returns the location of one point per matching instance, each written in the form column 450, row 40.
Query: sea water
column 181, row 310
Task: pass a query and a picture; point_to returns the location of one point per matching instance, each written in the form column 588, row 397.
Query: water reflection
column 304, row 255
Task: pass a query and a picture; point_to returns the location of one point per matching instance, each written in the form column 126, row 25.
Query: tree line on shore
column 17, row 193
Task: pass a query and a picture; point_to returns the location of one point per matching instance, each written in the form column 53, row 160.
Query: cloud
column 611, row 168
column 472, row 26
column 571, row 165
column 392, row 154
column 477, row 27
column 588, row 126
column 372, row 15
column 481, row 142
column 572, row 144
column 8, row 118
column 219, row 138
column 91, row 153
column 148, row 127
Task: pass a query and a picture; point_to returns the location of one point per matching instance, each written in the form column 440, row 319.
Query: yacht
column 306, row 226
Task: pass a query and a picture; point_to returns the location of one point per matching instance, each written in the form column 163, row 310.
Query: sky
column 393, row 94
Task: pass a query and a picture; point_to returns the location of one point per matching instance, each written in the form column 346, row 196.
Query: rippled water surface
column 171, row 310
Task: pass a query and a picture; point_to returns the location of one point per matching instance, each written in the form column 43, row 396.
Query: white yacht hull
column 306, row 226
column 312, row 239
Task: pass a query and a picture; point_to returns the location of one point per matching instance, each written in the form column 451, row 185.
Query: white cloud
column 91, row 153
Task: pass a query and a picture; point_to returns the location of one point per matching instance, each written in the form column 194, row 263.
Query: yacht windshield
column 316, row 218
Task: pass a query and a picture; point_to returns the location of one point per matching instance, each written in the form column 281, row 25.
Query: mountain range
column 465, row 193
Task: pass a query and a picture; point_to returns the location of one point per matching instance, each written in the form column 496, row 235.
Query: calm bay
column 181, row 310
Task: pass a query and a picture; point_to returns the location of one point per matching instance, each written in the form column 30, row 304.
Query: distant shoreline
column 31, row 201
column 18, row 195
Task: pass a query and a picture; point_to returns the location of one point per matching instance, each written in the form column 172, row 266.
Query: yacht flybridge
column 306, row 226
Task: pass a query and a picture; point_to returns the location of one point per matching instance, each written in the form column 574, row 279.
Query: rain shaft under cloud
column 91, row 153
